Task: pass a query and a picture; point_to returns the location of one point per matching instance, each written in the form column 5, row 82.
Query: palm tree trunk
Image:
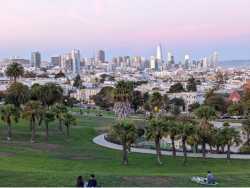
column 248, row 139
column 184, row 150
column 60, row 126
column 203, row 149
column 47, row 132
column 228, row 151
column 173, row 147
column 217, row 149
column 125, row 153
column 33, row 133
column 158, row 150
column 67, row 130
column 196, row 148
column 9, row 133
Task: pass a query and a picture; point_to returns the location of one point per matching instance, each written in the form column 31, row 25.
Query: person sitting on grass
column 210, row 178
column 92, row 182
column 79, row 182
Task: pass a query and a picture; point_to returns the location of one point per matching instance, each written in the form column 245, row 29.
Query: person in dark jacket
column 92, row 182
column 79, row 182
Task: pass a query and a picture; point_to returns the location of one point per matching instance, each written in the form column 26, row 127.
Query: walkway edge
column 101, row 141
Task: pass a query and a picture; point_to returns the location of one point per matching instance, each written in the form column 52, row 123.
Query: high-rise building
column 55, row 61
column 36, row 59
column 170, row 59
column 159, row 53
column 100, row 58
column 66, row 63
column 186, row 61
column 76, row 61
column 153, row 63
column 215, row 59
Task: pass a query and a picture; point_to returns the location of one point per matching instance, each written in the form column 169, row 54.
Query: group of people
column 91, row 183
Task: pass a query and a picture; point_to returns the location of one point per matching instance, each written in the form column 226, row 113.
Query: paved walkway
column 100, row 140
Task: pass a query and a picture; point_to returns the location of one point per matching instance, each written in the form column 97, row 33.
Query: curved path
column 101, row 141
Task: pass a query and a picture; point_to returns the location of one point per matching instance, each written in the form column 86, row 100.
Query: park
column 45, row 140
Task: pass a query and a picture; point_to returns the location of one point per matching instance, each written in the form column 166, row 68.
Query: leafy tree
column 32, row 112
column 105, row 98
column 122, row 97
column 9, row 113
column 235, row 109
column 126, row 132
column 230, row 136
column 146, row 97
column 176, row 88
column 205, row 113
column 155, row 131
column 217, row 102
column 191, row 85
column 137, row 100
column 166, row 102
column 68, row 120
column 48, row 117
column 17, row 94
column 59, row 110
column 246, row 129
column 77, row 82
column 193, row 107
column 14, row 71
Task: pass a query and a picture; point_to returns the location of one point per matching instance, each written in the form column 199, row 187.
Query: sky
column 125, row 27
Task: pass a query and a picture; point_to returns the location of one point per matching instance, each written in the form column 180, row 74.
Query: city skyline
column 56, row 27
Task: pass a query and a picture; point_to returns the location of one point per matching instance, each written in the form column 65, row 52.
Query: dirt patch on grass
column 7, row 154
column 148, row 181
column 45, row 147
column 35, row 146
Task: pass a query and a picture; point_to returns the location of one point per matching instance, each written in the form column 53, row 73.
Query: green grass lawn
column 63, row 159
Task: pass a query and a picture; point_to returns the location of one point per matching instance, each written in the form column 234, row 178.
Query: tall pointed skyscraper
column 159, row 53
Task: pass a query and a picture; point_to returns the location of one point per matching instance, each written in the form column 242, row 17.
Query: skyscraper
column 76, row 61
column 153, row 63
column 100, row 58
column 186, row 61
column 159, row 53
column 170, row 59
column 36, row 59
column 215, row 59
column 55, row 61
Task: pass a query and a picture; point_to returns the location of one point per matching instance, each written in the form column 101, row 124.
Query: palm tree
column 48, row 117
column 17, row 94
column 32, row 112
column 122, row 98
column 173, row 131
column 156, row 102
column 68, row 119
column 14, row 71
column 246, row 130
column 205, row 113
column 9, row 113
column 155, row 131
column 60, row 110
column 125, row 131
column 186, row 129
column 230, row 137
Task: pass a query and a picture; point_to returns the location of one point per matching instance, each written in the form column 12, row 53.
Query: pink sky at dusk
column 124, row 27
